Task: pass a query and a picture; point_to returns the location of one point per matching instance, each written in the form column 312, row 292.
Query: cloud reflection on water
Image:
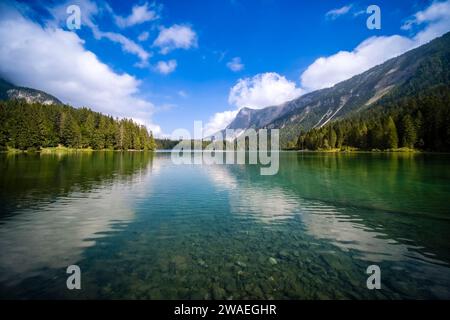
column 339, row 226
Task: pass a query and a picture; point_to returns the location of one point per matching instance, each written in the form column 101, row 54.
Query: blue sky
column 168, row 63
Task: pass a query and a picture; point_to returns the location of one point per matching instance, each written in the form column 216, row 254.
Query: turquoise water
column 141, row 227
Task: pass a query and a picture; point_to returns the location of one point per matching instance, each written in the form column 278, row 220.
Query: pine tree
column 25, row 126
column 332, row 137
column 98, row 137
column 87, row 128
column 409, row 134
column 391, row 136
column 71, row 132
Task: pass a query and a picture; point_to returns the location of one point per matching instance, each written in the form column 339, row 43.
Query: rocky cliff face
column 9, row 91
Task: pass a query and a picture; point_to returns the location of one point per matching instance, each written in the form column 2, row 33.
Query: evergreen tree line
column 166, row 144
column 34, row 126
column 420, row 121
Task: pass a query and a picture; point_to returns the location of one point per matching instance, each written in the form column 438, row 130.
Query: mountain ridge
column 426, row 64
column 9, row 91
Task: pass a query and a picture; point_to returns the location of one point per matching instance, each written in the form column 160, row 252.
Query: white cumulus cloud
column 218, row 121
column 335, row 13
column 235, row 64
column 127, row 45
column 268, row 89
column 139, row 14
column 182, row 93
column 166, row 67
column 176, row 37
column 437, row 11
column 327, row 71
column 54, row 60
column 89, row 11
column 263, row 90
column 436, row 19
column 143, row 36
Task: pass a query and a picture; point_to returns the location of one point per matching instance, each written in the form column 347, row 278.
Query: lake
column 141, row 227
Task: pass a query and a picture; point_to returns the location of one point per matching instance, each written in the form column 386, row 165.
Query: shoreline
column 51, row 150
column 397, row 150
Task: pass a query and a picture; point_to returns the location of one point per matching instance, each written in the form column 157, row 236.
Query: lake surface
column 141, row 227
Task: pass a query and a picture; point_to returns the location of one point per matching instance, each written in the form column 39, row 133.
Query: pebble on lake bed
column 202, row 263
column 241, row 264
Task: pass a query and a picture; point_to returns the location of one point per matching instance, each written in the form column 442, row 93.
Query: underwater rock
column 218, row 293
column 314, row 269
column 266, row 287
column 172, row 269
column 240, row 273
column 252, row 291
column 180, row 262
column 332, row 262
column 230, row 286
column 202, row 263
column 241, row 264
column 258, row 292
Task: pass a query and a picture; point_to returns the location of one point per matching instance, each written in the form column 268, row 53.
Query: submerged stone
column 230, row 286
column 202, row 263
column 241, row 264
column 218, row 293
column 283, row 254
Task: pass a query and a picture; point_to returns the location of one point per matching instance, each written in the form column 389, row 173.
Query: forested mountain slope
column 418, row 70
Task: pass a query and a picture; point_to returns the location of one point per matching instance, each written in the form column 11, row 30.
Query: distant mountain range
column 8, row 91
column 418, row 69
